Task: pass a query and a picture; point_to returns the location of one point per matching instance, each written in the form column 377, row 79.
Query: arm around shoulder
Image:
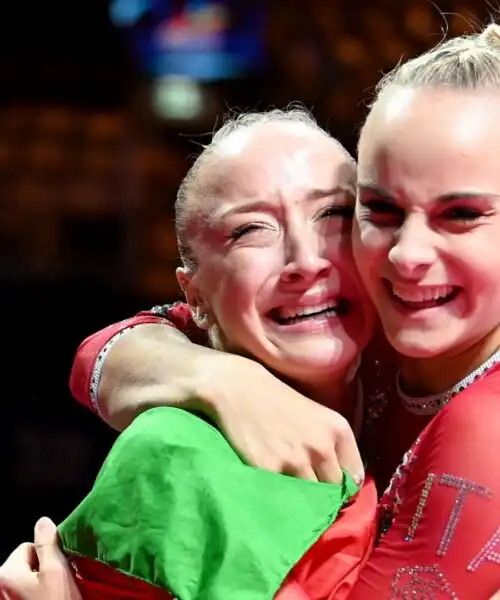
column 154, row 365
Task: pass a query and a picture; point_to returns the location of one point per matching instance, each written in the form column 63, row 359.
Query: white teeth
column 290, row 313
column 422, row 294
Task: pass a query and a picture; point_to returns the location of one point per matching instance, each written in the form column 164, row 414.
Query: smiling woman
column 429, row 217
column 263, row 221
column 426, row 244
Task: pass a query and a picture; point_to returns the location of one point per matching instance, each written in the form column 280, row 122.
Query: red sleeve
column 85, row 372
column 445, row 539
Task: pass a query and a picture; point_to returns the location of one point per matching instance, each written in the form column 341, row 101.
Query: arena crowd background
column 102, row 107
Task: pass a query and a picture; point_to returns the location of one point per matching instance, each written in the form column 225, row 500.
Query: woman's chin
column 312, row 359
column 418, row 345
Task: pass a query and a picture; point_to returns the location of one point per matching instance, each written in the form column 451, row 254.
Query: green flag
column 175, row 506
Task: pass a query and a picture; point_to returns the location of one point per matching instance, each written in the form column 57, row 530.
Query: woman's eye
column 381, row 212
column 239, row 232
column 463, row 214
column 345, row 211
column 381, row 207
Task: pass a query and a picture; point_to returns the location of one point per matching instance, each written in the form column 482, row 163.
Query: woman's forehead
column 288, row 163
column 431, row 116
column 450, row 136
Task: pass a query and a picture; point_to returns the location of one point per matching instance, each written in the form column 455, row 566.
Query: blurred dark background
column 102, row 107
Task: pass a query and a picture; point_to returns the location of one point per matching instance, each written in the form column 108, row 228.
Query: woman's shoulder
column 180, row 316
column 462, row 438
column 476, row 404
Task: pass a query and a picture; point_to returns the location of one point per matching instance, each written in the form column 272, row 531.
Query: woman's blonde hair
column 466, row 62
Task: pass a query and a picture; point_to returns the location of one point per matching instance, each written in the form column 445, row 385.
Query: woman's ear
column 200, row 309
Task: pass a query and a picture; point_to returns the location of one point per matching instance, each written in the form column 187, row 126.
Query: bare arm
column 154, row 365
column 268, row 423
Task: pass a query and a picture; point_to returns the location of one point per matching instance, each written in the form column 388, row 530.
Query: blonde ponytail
column 491, row 36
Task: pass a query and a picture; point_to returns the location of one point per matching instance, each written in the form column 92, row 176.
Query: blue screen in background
column 205, row 40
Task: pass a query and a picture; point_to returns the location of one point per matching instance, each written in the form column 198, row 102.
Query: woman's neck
column 339, row 394
column 425, row 376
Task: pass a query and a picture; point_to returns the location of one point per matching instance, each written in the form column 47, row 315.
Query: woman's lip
column 312, row 324
column 409, row 306
column 336, row 304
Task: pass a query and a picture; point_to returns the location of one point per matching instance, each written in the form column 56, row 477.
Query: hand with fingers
column 276, row 428
column 39, row 570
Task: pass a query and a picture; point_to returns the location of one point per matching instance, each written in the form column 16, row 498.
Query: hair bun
column 491, row 35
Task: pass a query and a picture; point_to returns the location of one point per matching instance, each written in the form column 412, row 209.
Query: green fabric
column 175, row 506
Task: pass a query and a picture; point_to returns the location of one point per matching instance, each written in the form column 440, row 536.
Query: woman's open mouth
column 291, row 316
column 421, row 297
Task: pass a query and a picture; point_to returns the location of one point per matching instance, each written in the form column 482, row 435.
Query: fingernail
column 44, row 525
column 358, row 479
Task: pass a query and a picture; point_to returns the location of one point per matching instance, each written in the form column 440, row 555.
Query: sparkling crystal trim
column 464, row 487
column 487, row 553
column 420, row 507
column 163, row 310
column 420, row 582
column 99, row 364
column 431, row 405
